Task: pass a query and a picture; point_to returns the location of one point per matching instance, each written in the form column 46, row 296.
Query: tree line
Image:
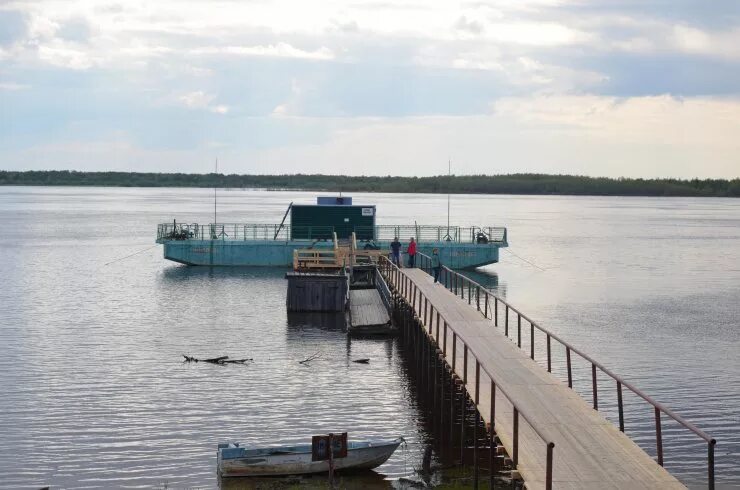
column 456, row 184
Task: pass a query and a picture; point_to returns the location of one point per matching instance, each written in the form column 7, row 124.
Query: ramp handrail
column 458, row 283
column 407, row 287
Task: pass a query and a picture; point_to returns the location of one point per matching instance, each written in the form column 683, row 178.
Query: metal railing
column 263, row 231
column 430, row 233
column 486, row 302
column 406, row 288
column 383, row 289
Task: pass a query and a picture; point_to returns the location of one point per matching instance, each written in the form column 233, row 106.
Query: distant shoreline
column 517, row 184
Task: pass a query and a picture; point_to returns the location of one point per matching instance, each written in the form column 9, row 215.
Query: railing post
column 485, row 311
column 595, row 386
column 492, row 435
column 426, row 307
column 549, row 357
column 710, row 463
column 658, row 436
column 519, row 330
column 477, row 297
column 506, row 323
column 515, row 452
column 548, row 468
column 444, row 342
column 570, row 373
column 531, row 340
column 495, row 311
column 620, row 406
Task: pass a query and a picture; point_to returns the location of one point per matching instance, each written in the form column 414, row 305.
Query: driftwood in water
column 217, row 360
column 311, row 358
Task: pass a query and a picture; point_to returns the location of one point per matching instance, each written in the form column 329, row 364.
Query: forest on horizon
column 455, row 184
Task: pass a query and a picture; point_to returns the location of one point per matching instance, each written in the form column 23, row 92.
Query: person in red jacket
column 412, row 252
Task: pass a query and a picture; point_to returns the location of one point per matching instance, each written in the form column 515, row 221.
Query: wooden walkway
column 589, row 452
column 367, row 310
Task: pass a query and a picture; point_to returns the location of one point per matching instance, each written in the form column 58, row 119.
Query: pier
column 469, row 346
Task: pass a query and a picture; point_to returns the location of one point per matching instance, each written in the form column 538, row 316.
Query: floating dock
column 314, row 231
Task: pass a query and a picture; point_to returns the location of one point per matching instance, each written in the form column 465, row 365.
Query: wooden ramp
column 368, row 313
column 589, row 452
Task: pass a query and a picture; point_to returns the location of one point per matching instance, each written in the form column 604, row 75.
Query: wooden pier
column 552, row 436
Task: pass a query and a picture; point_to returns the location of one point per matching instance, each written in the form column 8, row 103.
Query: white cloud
column 58, row 54
column 197, row 100
column 279, row 50
column 650, row 37
column 715, row 44
column 203, row 101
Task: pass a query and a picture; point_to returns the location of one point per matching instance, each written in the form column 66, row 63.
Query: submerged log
column 216, row 360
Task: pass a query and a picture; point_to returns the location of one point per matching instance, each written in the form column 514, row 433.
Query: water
column 95, row 393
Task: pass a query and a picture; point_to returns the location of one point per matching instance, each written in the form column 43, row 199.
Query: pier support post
column 492, row 436
column 477, row 423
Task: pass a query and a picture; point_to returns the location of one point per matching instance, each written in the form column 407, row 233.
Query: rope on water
column 525, row 260
column 131, row 255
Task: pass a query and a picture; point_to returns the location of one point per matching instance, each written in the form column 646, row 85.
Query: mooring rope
column 525, row 260
column 131, row 255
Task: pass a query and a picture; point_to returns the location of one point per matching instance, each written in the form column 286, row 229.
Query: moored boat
column 234, row 460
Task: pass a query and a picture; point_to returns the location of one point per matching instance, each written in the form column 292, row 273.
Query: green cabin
column 332, row 214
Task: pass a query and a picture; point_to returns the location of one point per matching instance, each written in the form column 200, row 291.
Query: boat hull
column 364, row 458
column 280, row 253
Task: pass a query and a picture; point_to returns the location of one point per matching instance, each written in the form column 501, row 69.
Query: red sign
column 320, row 447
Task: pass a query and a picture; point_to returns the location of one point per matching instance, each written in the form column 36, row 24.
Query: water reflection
column 350, row 481
column 177, row 273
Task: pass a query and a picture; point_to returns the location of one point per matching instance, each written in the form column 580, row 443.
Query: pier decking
column 368, row 313
column 540, row 421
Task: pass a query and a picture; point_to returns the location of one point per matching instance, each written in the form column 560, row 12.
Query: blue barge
column 319, row 228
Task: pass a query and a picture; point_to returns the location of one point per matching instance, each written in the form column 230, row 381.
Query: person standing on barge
column 412, row 253
column 396, row 252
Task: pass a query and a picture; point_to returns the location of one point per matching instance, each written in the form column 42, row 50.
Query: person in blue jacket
column 436, row 264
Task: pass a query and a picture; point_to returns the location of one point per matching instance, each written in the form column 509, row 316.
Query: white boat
column 234, row 460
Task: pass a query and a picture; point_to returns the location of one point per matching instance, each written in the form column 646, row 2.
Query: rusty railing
column 487, row 302
column 427, row 314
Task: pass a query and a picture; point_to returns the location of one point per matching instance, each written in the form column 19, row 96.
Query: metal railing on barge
column 277, row 232
column 488, row 303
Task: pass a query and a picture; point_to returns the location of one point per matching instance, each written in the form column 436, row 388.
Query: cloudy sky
column 604, row 87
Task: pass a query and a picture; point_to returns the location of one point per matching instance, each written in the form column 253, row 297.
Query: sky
column 633, row 88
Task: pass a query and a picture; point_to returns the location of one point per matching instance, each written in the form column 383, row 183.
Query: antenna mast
column 449, row 174
column 215, row 186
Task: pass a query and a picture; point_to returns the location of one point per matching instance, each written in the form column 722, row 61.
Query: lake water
column 95, row 393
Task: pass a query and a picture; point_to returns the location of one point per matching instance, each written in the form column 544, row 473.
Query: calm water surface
column 94, row 393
